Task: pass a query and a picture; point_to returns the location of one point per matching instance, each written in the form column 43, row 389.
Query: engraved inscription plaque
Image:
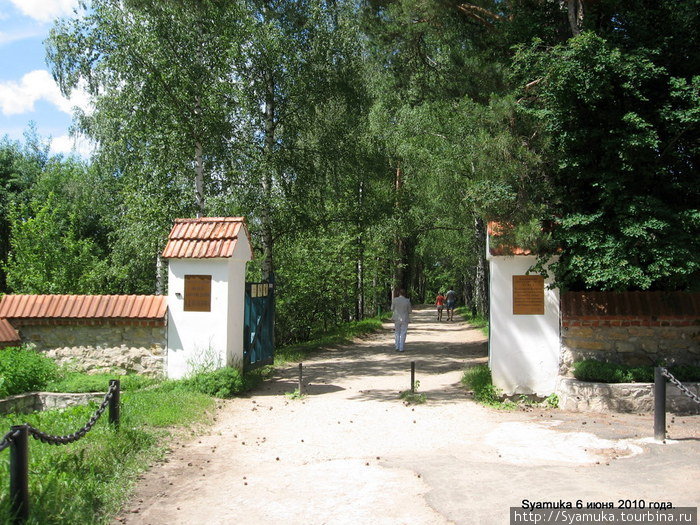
column 197, row 293
column 528, row 295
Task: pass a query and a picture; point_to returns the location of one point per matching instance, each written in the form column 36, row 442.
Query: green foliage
column 413, row 397
column 23, row 370
column 478, row 379
column 602, row 372
column 552, row 401
column 224, row 382
column 624, row 202
column 295, row 395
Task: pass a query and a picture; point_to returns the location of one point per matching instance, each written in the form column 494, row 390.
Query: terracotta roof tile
column 657, row 304
column 204, row 238
column 83, row 306
column 8, row 334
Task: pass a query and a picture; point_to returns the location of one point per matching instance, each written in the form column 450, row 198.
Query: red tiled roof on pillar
column 141, row 307
column 496, row 230
column 204, row 238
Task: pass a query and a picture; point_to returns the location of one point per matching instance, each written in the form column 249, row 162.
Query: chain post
column 301, row 383
column 114, row 403
column 19, row 474
column 413, row 377
column 659, row 404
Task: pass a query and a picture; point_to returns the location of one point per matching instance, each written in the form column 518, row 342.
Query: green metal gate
column 259, row 325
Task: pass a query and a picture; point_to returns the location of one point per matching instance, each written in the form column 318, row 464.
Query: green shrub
column 23, row 370
column 224, row 382
column 478, row 378
column 602, row 372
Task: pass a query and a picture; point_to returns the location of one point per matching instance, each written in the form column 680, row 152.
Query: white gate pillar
column 524, row 344
column 206, row 293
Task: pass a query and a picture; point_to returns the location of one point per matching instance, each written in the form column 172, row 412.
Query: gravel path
column 352, row 452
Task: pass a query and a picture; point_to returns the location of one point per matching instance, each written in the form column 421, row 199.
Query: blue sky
column 27, row 91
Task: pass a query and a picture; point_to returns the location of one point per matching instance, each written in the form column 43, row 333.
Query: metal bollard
column 659, row 405
column 19, row 474
column 114, row 404
column 413, row 377
column 301, row 384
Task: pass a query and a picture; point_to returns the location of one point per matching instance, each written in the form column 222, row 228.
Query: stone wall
column 629, row 344
column 581, row 396
column 38, row 401
column 630, row 328
column 101, row 346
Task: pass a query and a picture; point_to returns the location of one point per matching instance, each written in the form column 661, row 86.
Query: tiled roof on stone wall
column 8, row 334
column 143, row 307
column 204, row 237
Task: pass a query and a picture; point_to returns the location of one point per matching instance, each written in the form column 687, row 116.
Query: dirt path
column 352, row 452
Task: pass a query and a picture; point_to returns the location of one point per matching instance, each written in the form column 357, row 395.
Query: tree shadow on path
column 436, row 348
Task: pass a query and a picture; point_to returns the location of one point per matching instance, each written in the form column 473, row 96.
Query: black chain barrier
column 70, row 438
column 8, row 439
column 17, row 440
column 668, row 375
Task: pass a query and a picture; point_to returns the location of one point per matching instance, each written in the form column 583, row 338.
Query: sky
column 28, row 93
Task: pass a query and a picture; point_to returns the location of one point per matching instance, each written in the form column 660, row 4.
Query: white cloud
column 16, row 35
column 67, row 145
column 19, row 97
column 45, row 10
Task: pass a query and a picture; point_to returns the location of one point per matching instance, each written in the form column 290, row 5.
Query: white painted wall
column 196, row 337
column 523, row 349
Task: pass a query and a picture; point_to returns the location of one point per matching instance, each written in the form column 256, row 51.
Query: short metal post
column 659, row 405
column 114, row 403
column 301, row 384
column 413, row 377
column 19, row 474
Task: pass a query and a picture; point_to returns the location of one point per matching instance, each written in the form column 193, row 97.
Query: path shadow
column 375, row 357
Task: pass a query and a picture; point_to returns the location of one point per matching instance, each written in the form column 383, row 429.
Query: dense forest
column 368, row 143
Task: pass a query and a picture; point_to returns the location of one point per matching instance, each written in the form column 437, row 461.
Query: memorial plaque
column 528, row 295
column 197, row 293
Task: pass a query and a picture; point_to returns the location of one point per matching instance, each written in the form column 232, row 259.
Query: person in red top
column 440, row 302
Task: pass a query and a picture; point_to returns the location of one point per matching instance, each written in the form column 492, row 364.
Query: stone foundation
column 583, row 396
column 102, row 347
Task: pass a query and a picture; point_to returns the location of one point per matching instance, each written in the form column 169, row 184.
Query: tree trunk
column 268, row 166
column 481, row 299
column 199, row 178
column 575, row 14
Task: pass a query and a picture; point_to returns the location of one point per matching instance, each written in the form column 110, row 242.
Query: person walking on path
column 440, row 303
column 451, row 300
column 401, row 306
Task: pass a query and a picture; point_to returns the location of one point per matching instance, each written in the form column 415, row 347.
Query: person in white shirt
column 401, row 306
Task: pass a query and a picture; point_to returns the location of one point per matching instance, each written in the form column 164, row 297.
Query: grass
column 79, row 382
column 98, row 471
column 477, row 321
column 338, row 335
